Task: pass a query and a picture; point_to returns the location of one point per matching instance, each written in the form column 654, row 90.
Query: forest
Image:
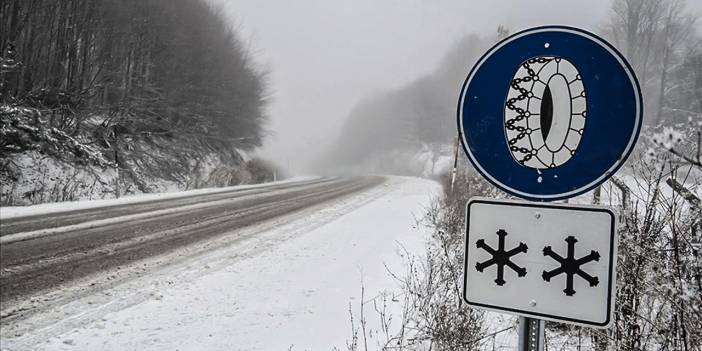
column 137, row 85
column 660, row 39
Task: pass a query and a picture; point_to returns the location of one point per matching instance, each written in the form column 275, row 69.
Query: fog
column 326, row 56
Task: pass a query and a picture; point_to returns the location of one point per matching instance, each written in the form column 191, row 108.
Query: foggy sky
column 326, row 55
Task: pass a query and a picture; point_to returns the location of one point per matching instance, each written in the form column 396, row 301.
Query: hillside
column 105, row 97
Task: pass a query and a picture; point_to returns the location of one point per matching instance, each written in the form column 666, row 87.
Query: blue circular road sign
column 550, row 113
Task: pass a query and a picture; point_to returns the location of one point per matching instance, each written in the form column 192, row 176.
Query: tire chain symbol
column 521, row 113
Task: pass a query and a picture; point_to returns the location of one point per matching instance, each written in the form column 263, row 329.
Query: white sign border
column 614, row 249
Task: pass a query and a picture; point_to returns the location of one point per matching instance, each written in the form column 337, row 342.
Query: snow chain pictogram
column 545, row 112
column 522, row 113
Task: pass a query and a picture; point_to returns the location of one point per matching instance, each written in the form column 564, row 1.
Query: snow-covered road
column 286, row 285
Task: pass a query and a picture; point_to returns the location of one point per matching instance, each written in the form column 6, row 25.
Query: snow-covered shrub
column 32, row 177
column 263, row 171
column 659, row 291
column 683, row 141
column 434, row 284
column 25, row 129
column 106, row 158
column 659, row 268
column 40, row 163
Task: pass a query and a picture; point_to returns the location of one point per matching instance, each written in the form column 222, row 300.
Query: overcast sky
column 326, row 55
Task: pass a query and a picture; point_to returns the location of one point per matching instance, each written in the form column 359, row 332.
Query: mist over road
column 40, row 253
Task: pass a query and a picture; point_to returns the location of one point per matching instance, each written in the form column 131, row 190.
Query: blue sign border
column 598, row 158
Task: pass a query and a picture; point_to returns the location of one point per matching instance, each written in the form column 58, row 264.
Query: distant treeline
column 151, row 66
column 660, row 38
column 402, row 120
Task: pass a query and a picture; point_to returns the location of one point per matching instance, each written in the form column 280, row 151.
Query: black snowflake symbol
column 501, row 258
column 570, row 266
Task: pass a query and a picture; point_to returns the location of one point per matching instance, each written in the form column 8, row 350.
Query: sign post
column 546, row 114
column 531, row 334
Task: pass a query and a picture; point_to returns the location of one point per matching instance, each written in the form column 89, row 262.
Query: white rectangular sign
column 548, row 261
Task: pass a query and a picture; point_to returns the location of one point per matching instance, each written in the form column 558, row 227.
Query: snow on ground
column 288, row 287
column 47, row 208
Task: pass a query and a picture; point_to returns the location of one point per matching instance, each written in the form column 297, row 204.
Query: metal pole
column 455, row 162
column 117, row 175
column 531, row 334
column 531, row 331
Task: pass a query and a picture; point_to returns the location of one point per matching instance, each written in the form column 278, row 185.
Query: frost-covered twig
column 688, row 195
column 671, row 138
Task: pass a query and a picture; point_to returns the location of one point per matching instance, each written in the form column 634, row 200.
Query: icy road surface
column 285, row 282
